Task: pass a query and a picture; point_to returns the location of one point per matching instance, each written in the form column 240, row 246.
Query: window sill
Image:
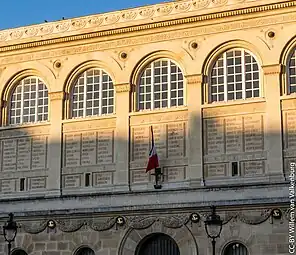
column 26, row 125
column 234, row 102
column 159, row 110
column 97, row 117
column 293, row 95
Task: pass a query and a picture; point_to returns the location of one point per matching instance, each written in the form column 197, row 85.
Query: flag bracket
column 157, row 174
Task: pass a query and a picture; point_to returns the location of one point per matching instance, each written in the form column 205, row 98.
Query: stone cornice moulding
column 57, row 95
column 76, row 29
column 272, row 69
column 194, row 79
column 124, row 87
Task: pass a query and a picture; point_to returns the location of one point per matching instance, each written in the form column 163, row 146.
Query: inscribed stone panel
column 253, row 168
column 216, row 170
column 9, row 154
column 72, row 181
column 8, row 186
column 73, row 149
column 24, row 153
column 290, row 129
column 37, row 183
column 214, row 136
column 88, row 150
column 140, row 144
column 176, row 140
column 139, row 176
column 233, row 130
column 103, row 178
column 39, row 152
column 105, row 150
column 253, row 132
column 160, row 134
column 173, row 174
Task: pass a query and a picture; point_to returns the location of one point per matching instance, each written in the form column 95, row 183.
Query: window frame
column 151, row 64
column 20, row 82
column 288, row 84
column 230, row 244
column 225, row 76
column 100, row 107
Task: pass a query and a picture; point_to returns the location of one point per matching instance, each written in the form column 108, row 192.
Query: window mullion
column 152, row 85
column 100, row 93
column 225, row 77
column 84, row 94
column 169, row 85
column 36, row 100
column 243, row 74
column 22, row 102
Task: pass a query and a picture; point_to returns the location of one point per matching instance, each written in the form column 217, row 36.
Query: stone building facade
column 217, row 82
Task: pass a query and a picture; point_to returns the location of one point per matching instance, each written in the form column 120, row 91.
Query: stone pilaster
column 55, row 143
column 121, row 179
column 194, row 101
column 273, row 128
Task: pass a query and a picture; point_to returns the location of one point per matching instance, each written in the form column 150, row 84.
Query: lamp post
column 10, row 231
column 213, row 226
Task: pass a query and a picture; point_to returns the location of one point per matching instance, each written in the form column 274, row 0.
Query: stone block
column 282, row 248
column 63, row 246
column 39, row 247
column 51, row 246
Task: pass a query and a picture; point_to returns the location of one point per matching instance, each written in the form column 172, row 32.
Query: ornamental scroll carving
column 118, row 17
column 143, row 222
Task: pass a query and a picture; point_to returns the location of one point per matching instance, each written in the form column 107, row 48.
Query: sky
column 18, row 13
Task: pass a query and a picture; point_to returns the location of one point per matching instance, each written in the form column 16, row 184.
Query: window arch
column 18, row 252
column 29, row 101
column 92, row 94
column 85, row 251
column 236, row 249
column 291, row 70
column 157, row 244
column 234, row 75
column 160, row 85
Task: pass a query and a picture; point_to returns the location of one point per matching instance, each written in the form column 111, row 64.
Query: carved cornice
column 57, row 95
column 124, row 87
column 272, row 69
column 194, row 79
column 36, row 33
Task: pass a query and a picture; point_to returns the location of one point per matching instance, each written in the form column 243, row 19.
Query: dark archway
column 85, row 251
column 18, row 252
column 157, row 244
column 236, row 249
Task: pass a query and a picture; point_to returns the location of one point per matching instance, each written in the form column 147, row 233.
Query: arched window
column 29, row 101
column 236, row 249
column 292, row 72
column 235, row 75
column 93, row 94
column 161, row 85
column 85, row 251
column 19, row 252
column 157, row 244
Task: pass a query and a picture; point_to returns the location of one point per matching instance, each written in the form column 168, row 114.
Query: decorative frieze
column 86, row 125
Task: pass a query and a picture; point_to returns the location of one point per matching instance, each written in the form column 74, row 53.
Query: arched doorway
column 158, row 244
column 18, row 252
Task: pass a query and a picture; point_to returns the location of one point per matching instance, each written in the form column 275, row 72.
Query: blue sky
column 17, row 13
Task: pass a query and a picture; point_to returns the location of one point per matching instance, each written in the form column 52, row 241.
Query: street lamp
column 213, row 226
column 9, row 231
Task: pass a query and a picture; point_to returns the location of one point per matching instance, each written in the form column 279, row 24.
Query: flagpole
column 157, row 173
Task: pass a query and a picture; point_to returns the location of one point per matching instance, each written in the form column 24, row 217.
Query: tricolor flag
column 153, row 158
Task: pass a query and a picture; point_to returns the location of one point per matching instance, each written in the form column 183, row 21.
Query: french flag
column 153, row 158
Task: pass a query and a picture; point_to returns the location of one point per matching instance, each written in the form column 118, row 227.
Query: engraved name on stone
column 39, row 152
column 252, row 168
column 160, row 134
column 216, row 170
column 72, row 154
column 105, row 147
column 175, row 174
column 37, row 183
column 253, row 133
column 8, row 186
column 104, row 178
column 215, row 136
column 233, row 126
column 72, row 181
column 176, row 140
column 291, row 128
column 139, row 176
column 140, row 143
column 88, row 151
column 23, row 153
column 9, row 154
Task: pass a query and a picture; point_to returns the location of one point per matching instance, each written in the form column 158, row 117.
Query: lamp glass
column 213, row 228
column 9, row 233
